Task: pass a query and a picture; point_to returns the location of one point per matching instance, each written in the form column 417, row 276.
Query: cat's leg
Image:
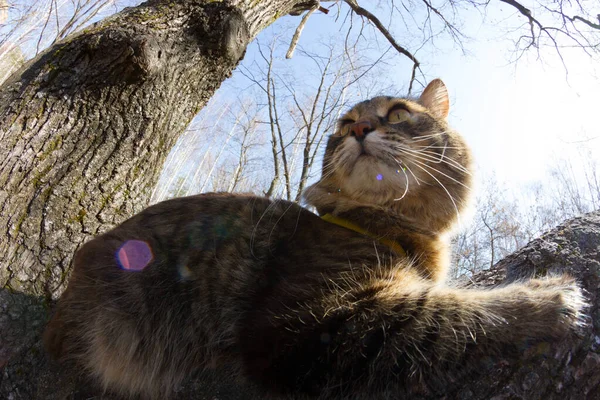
column 389, row 333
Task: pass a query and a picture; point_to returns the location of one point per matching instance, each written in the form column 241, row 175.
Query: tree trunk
column 84, row 131
column 87, row 125
column 567, row 370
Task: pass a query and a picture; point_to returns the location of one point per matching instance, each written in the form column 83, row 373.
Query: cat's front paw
column 566, row 295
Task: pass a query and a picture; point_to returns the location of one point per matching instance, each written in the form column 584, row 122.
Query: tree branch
column 299, row 29
column 375, row 21
column 585, row 21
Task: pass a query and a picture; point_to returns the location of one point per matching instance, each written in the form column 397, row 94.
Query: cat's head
column 398, row 154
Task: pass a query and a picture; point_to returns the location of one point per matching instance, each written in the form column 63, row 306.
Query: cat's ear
column 435, row 98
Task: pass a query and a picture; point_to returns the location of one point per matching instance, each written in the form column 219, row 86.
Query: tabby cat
column 351, row 304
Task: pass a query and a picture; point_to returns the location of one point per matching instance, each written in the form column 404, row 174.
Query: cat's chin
column 374, row 181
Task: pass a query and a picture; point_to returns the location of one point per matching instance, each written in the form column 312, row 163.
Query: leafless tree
column 504, row 222
column 317, row 114
column 300, row 115
column 32, row 26
column 558, row 24
column 246, row 142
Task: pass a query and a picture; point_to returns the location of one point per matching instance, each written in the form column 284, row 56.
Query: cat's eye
column 398, row 115
column 344, row 127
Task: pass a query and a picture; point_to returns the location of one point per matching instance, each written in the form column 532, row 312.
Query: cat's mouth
column 367, row 149
column 371, row 151
column 370, row 154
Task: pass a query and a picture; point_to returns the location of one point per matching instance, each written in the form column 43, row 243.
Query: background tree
column 505, row 221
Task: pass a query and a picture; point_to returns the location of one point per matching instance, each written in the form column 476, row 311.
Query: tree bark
column 86, row 126
column 567, row 370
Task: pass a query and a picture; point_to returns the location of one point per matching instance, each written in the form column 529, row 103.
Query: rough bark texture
column 562, row 371
column 85, row 128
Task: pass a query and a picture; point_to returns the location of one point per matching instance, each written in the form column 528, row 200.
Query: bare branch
column 585, row 21
column 299, row 29
column 412, row 78
column 375, row 21
column 568, row 29
column 272, row 125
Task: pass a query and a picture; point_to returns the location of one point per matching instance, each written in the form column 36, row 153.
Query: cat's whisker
column 443, row 187
column 446, row 160
column 405, row 165
column 434, row 134
column 425, row 150
column 405, row 187
column 430, row 159
column 412, row 173
column 433, row 157
column 438, row 147
column 450, row 162
column 419, row 154
column 443, row 152
column 421, row 138
column 422, row 148
column 422, row 166
column 440, row 172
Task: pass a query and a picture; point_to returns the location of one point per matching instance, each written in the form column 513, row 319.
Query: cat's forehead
column 381, row 105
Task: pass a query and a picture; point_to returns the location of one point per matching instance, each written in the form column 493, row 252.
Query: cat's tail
column 393, row 334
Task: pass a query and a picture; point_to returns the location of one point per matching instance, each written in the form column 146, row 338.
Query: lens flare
column 379, row 177
column 134, row 255
column 185, row 273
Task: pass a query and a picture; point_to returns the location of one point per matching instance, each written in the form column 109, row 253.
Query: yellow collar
column 392, row 244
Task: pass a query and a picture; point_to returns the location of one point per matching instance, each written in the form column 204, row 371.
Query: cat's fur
column 301, row 306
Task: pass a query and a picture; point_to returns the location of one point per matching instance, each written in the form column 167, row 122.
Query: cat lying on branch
column 351, row 304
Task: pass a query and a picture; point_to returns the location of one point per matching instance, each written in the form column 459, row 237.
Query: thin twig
column 375, row 21
column 412, row 78
column 299, row 29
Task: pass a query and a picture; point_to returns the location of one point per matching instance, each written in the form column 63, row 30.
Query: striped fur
column 305, row 308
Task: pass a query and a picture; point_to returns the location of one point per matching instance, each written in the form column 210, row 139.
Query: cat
column 349, row 304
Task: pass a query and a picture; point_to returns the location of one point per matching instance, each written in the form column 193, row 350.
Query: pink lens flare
column 134, row 255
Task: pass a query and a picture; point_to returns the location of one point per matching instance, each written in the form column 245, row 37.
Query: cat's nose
column 361, row 129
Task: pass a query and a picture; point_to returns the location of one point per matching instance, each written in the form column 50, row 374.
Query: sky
column 518, row 117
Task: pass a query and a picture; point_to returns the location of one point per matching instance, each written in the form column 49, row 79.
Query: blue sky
column 519, row 117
